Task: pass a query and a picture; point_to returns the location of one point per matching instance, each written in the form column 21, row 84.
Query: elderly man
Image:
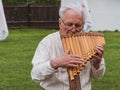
column 50, row 63
column 84, row 4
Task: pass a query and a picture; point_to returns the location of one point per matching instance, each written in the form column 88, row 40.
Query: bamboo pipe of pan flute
column 66, row 47
column 85, row 44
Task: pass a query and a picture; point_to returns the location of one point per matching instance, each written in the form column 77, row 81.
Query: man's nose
column 73, row 29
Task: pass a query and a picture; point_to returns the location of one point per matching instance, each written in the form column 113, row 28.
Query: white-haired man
column 84, row 5
column 50, row 63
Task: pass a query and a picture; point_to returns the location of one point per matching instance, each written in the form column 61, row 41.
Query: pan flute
column 83, row 45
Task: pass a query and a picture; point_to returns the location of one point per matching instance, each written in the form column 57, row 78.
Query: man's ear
column 60, row 21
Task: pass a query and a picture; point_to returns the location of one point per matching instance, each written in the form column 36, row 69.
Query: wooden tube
column 66, row 47
column 83, row 49
column 89, row 45
column 70, row 71
column 87, row 48
column 73, row 52
column 64, row 44
column 78, row 51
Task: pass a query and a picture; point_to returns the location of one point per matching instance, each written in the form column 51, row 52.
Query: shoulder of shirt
column 51, row 36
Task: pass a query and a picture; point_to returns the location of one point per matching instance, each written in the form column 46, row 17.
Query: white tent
column 3, row 26
column 105, row 14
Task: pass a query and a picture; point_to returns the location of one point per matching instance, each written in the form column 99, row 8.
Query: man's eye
column 78, row 25
column 69, row 24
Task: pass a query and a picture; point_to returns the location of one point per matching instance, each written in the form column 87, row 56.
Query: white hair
column 76, row 7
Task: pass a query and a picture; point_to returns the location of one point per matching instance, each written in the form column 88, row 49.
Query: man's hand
column 66, row 60
column 98, row 56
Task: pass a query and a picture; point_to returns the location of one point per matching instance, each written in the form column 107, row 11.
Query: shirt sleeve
column 41, row 64
column 97, row 73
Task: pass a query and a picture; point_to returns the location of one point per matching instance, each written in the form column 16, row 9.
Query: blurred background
column 44, row 13
column 105, row 14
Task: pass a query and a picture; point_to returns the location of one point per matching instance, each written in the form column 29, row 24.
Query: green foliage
column 16, row 53
column 116, row 30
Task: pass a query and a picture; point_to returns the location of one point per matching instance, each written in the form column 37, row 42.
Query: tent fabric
column 3, row 25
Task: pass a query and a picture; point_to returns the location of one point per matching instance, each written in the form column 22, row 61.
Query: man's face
column 72, row 22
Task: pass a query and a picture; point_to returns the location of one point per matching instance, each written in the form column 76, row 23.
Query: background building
column 105, row 14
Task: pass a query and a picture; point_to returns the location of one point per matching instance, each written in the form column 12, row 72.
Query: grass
column 111, row 79
column 16, row 53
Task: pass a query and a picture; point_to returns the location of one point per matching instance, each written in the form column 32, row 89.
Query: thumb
column 67, row 51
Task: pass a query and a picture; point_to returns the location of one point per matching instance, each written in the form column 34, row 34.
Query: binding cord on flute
column 82, row 44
